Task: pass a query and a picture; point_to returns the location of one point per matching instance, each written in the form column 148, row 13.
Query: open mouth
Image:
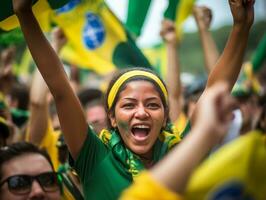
column 140, row 132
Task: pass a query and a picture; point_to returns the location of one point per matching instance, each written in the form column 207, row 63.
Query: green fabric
column 14, row 37
column 127, row 54
column 134, row 23
column 260, row 55
column 170, row 12
column 19, row 117
column 130, row 160
column 107, row 169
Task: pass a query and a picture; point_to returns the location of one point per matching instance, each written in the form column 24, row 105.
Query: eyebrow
column 148, row 99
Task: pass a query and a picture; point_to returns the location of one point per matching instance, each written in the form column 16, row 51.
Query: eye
column 128, row 106
column 153, row 105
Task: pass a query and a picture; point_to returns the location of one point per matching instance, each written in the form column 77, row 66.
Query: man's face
column 96, row 116
column 30, row 164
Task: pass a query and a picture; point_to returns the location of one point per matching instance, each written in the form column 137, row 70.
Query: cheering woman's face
column 139, row 116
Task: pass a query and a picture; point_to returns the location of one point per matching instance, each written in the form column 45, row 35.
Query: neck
column 147, row 159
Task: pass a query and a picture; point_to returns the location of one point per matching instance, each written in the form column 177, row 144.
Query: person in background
column 27, row 172
column 203, row 18
column 173, row 81
column 92, row 102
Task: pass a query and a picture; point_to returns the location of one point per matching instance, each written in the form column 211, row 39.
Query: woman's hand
column 242, row 12
column 214, row 111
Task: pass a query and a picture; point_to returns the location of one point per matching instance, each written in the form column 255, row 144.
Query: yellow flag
column 236, row 171
column 97, row 39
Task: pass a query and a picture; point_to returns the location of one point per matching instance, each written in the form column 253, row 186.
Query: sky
column 220, row 8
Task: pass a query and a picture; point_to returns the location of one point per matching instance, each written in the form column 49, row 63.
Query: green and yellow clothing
column 106, row 167
column 146, row 187
column 181, row 122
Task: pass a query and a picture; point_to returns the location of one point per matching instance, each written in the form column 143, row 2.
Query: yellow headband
column 126, row 76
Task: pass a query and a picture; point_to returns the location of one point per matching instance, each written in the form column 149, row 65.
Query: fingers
column 168, row 31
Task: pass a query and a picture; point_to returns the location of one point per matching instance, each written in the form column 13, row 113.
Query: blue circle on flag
column 93, row 32
column 231, row 190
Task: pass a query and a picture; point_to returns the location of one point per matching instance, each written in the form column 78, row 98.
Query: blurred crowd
column 129, row 134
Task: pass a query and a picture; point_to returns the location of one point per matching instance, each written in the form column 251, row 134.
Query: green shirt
column 102, row 176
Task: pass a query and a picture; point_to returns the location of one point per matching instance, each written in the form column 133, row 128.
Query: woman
column 137, row 110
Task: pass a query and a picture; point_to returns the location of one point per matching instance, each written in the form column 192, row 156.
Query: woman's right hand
column 214, row 111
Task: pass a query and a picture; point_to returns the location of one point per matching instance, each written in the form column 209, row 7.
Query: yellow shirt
column 49, row 144
column 146, row 188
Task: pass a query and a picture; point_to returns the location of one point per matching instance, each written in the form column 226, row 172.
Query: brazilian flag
column 97, row 40
column 41, row 8
column 236, row 171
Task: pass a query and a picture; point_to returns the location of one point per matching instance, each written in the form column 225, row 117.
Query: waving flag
column 236, row 171
column 97, row 39
column 177, row 10
column 41, row 9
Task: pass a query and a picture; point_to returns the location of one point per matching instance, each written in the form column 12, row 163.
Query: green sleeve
column 92, row 153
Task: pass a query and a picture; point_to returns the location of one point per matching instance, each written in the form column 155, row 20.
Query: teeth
column 141, row 126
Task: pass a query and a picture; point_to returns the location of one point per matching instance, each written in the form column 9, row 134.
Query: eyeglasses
column 21, row 184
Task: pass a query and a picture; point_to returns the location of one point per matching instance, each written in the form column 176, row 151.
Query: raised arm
column 69, row 110
column 212, row 122
column 173, row 82
column 203, row 18
column 38, row 121
column 229, row 64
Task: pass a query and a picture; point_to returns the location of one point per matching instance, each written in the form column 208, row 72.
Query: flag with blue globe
column 96, row 38
column 94, row 32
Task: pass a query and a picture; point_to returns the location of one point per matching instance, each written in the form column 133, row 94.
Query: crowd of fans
column 141, row 137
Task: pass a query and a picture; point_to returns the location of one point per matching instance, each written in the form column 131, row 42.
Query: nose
column 141, row 112
column 36, row 191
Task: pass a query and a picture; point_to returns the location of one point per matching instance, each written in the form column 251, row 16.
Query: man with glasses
column 26, row 172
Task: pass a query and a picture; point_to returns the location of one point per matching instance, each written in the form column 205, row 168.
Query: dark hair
column 123, row 86
column 89, row 95
column 20, row 148
column 20, row 92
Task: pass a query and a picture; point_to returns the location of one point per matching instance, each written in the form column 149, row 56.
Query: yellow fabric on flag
column 76, row 52
column 238, row 166
column 184, row 9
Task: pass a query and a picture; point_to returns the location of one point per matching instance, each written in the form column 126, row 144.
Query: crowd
column 141, row 137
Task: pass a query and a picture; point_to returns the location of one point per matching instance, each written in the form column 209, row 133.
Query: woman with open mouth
column 137, row 106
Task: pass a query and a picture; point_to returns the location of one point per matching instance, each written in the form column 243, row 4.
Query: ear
column 111, row 116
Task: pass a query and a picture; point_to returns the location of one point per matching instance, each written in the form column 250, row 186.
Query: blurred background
column 191, row 55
